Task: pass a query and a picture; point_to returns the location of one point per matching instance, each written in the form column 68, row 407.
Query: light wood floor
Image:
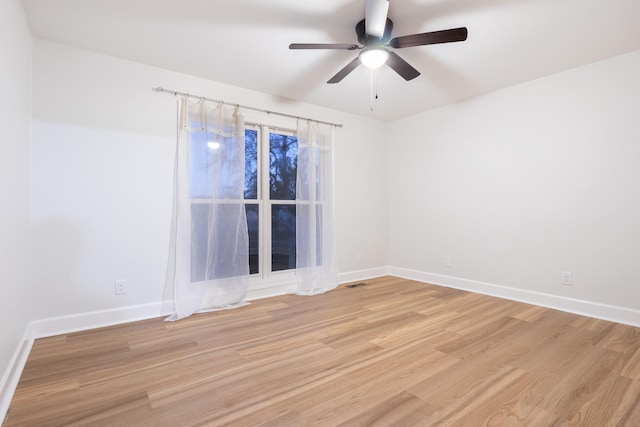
column 392, row 353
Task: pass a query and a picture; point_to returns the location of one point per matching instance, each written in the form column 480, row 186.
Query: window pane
column 283, row 165
column 199, row 181
column 211, row 256
column 251, row 164
column 253, row 224
column 214, row 171
column 283, row 237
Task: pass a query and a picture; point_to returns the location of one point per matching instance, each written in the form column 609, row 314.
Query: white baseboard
column 355, row 276
column 97, row 319
column 115, row 316
column 596, row 310
column 94, row 319
column 13, row 372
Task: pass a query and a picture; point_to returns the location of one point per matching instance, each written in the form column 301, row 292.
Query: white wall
column 15, row 138
column 522, row 183
column 103, row 146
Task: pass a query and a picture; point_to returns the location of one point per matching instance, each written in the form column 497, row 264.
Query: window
column 271, row 163
column 271, row 158
column 283, row 162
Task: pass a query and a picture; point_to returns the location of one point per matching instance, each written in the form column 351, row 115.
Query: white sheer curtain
column 209, row 258
column 316, row 270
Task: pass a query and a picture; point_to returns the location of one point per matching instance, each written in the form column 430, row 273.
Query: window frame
column 266, row 278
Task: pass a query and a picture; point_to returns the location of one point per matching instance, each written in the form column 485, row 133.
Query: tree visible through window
column 271, row 189
column 251, row 193
column 283, row 168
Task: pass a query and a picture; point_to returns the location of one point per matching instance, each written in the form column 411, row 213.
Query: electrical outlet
column 566, row 278
column 447, row 261
column 121, row 287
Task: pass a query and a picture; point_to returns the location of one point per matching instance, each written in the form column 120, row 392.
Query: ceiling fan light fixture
column 374, row 58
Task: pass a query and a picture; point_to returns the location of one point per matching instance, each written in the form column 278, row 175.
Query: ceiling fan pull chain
column 371, row 93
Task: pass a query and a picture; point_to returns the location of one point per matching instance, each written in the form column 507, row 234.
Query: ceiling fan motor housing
column 370, row 41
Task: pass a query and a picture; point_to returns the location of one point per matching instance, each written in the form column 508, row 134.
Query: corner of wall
column 14, row 370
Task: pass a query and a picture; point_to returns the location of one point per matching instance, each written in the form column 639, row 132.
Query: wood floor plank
column 505, row 406
column 402, row 409
column 632, row 367
column 616, row 402
column 391, row 352
column 621, row 338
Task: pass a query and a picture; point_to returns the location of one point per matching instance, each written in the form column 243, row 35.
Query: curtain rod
column 188, row 95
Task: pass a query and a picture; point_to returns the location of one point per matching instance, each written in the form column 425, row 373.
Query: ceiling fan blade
column 346, row 70
column 323, row 46
column 433, row 37
column 402, row 67
column 375, row 17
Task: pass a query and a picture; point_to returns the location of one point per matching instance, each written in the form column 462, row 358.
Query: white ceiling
column 245, row 43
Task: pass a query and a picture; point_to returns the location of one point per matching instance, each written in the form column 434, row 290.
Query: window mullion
column 265, row 235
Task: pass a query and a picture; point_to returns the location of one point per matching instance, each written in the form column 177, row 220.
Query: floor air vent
column 357, row 285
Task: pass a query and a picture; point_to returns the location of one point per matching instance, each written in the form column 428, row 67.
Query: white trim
column 354, row 276
column 277, row 286
column 268, row 291
column 596, row 310
column 273, row 286
column 94, row 319
column 98, row 319
column 278, row 283
column 13, row 372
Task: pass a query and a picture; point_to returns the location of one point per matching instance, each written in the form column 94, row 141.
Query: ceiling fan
column 374, row 36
